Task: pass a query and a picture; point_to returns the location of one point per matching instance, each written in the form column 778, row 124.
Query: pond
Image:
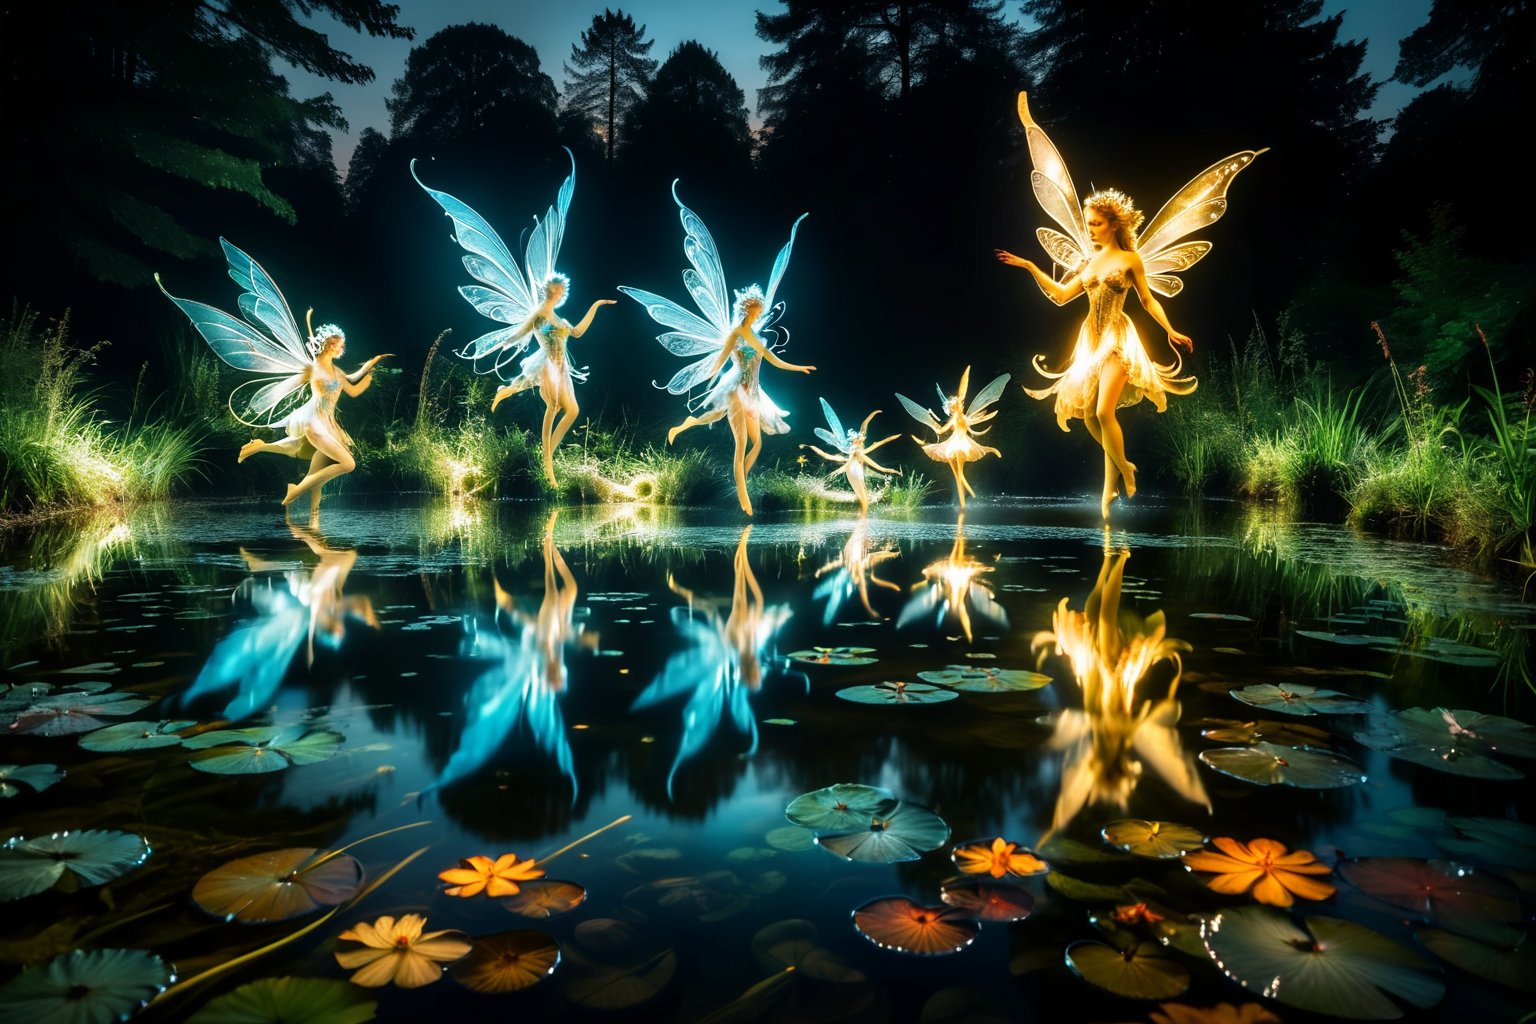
column 1009, row 766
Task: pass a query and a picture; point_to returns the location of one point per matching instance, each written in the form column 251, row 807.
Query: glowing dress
column 550, row 362
column 318, row 415
column 739, row 390
column 961, row 445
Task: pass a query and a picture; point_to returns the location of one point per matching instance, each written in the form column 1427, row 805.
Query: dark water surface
column 517, row 681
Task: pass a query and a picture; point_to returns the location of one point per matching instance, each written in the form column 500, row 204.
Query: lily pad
column 834, row 656
column 545, row 897
column 614, row 965
column 897, row 693
column 93, row 856
column 843, row 806
column 1267, row 764
column 72, row 711
column 1465, row 901
column 1220, row 616
column 792, row 944
column 989, row 901
column 134, row 736
column 898, row 924
column 1496, row 841
column 1155, row 840
column 84, row 987
column 507, row 962
column 1285, row 734
column 1320, row 964
column 278, row 885
column 290, row 1001
column 1513, row 965
column 905, row 833
column 36, row 777
column 1144, row 971
column 984, row 679
column 790, row 838
column 1456, row 742
column 1297, row 699
column 260, row 750
column 716, row 896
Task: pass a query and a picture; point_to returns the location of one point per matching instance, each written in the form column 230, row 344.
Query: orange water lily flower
column 399, row 952
column 1221, row 1013
column 494, row 878
column 1134, row 914
column 997, row 860
column 1263, row 866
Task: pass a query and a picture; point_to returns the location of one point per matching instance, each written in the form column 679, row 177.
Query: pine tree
column 609, row 72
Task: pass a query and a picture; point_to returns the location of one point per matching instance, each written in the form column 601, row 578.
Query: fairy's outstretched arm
column 826, row 455
column 720, row 360
column 586, row 321
column 767, row 353
column 877, row 444
column 872, row 464
column 1060, row 293
column 356, row 386
column 1153, row 307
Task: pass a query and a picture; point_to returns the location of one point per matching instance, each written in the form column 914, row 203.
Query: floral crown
column 751, row 292
column 1119, row 206
column 324, row 331
column 563, row 281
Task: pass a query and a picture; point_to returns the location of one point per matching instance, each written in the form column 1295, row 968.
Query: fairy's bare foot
column 293, row 492
column 672, row 434
column 500, row 394
column 549, row 474
column 248, row 449
column 1130, row 480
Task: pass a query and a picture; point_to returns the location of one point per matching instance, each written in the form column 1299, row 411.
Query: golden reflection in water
column 852, row 572
column 1122, row 729
column 553, row 626
column 951, row 586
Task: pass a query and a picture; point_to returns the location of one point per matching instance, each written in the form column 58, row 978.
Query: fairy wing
column 263, row 301
column 833, row 434
column 1056, row 194
column 989, row 394
column 706, row 281
column 918, row 413
column 690, row 336
column 780, row 264
column 544, row 241
column 1198, row 204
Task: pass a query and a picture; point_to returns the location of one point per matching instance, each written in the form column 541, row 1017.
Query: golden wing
column 1198, row 204
column 1055, row 192
column 1061, row 248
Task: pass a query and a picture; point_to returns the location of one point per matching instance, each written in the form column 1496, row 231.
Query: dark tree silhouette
column 695, row 115
column 469, row 80
column 1494, row 38
column 608, row 73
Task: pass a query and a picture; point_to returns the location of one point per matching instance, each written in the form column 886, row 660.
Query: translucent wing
column 1062, row 249
column 1176, row 259
column 918, row 413
column 262, row 301
column 1198, row 204
column 781, row 263
column 544, row 242
column 835, row 436
column 707, row 281
column 989, row 394
column 669, row 314
column 691, row 376
column 1052, row 184
column 1165, row 284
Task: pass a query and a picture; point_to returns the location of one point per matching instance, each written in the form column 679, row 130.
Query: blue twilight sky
column 725, row 26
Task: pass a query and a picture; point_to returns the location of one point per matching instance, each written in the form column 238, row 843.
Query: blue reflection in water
column 723, row 666
column 308, row 604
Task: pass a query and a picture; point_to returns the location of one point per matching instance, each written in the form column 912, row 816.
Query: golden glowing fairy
column 852, row 453
column 960, row 446
column 1105, row 259
column 949, row 585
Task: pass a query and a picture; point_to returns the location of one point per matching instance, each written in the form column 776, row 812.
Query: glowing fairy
column 526, row 300
column 1104, row 259
column 851, row 452
column 730, row 342
column 284, row 362
column 960, row 446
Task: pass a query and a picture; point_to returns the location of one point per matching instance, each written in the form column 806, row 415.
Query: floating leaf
column 897, row 693
column 845, row 805
column 70, row 712
column 1297, row 699
column 614, row 966
column 259, row 750
column 1457, row 742
column 636, row 860
column 545, row 897
column 86, row 986
column 1321, row 964
column 899, row 924
column 986, row 901
column 36, row 777
column 1088, row 892
column 1060, row 848
column 985, row 679
column 508, row 962
column 1284, row 734
column 278, row 884
column 1513, row 965
column 793, row 944
column 1266, row 764
column 1264, row 867
column 1145, row 971
column 834, row 656
column 790, row 838
column 712, row 897
column 1220, row 616
column 93, row 856
column 134, row 736
column 1466, row 901
column 997, row 857
column 289, row 1001
column 1155, row 840
column 1496, row 841
column 904, row 834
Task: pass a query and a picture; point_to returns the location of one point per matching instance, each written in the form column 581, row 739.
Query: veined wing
column 681, row 344
column 691, row 376
column 1052, row 184
column 835, row 435
column 1198, row 204
column 263, row 301
column 493, row 303
column 489, row 260
column 918, row 413
column 707, row 283
column 781, row 264
column 1061, row 249
column 544, row 242
column 237, row 342
column 989, row 394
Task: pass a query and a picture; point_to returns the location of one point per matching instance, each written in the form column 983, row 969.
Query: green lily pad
column 792, row 944
column 87, row 986
column 1060, row 849
column 1220, row 616
column 134, row 736
column 790, row 838
column 93, row 856
column 1145, row 971
column 843, row 806
column 896, row 923
column 1266, row 764
column 983, row 679
column 1513, row 965
column 290, row 1001
column 1320, row 964
column 1466, row 901
column 1155, row 840
column 906, row 833
column 278, row 884
column 36, row 777
column 1496, row 841
column 1285, row 734
column 1089, row 892
column 72, row 711
column 259, row 750
column 897, row 693
column 1456, row 742
column 989, row 901
column 1297, row 699
column 834, row 656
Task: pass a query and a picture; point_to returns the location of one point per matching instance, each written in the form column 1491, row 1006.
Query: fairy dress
column 549, row 364
column 1109, row 334
column 739, row 392
column 318, row 415
column 959, row 444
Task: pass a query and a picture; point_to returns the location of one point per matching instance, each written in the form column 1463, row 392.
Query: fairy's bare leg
column 502, row 392
column 316, row 464
column 570, row 409
column 856, row 481
column 289, row 446
column 1111, row 383
column 739, row 464
column 754, row 439
column 694, row 421
column 955, row 467
column 550, row 411
column 1111, row 473
column 341, row 462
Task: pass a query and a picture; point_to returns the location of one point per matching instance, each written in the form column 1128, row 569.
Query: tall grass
column 777, row 488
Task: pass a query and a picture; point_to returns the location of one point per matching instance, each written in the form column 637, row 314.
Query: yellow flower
column 1221, row 1013
column 397, row 951
column 1265, row 867
column 997, row 860
column 494, row 878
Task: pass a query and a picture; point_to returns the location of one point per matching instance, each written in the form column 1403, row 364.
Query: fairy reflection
column 852, row 572
column 527, row 676
column 1119, row 730
column 723, row 666
column 950, row 587
column 305, row 606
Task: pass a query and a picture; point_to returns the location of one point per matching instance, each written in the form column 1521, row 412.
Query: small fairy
column 851, row 452
column 960, row 446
